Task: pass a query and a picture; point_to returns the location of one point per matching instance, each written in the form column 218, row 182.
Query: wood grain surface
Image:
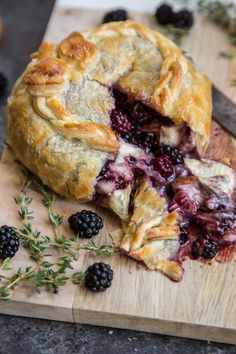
column 203, row 305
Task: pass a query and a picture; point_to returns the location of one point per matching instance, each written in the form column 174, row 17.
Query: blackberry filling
column 138, row 128
column 206, row 247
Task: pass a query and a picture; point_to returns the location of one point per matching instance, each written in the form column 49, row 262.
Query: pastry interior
column 173, row 196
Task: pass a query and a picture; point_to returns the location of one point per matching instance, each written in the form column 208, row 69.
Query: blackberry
column 164, row 14
column 183, row 19
column 205, row 247
column 98, row 277
column 147, row 142
column 85, row 224
column 115, row 15
column 163, row 165
column 175, row 155
column 119, row 121
column 9, row 242
column 3, row 82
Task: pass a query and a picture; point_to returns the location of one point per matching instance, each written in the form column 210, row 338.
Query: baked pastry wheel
column 109, row 115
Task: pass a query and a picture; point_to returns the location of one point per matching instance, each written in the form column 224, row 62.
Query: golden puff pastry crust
column 58, row 115
column 152, row 235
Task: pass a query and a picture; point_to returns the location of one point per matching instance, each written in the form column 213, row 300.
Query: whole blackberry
column 164, row 14
column 175, row 155
column 183, row 19
column 3, row 82
column 9, row 242
column 98, row 277
column 205, row 247
column 85, row 224
column 115, row 15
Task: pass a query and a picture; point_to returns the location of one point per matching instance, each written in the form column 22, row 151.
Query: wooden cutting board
column 202, row 306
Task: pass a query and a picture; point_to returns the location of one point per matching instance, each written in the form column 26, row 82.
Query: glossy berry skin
column 85, row 224
column 205, row 247
column 163, row 165
column 183, row 19
column 3, row 82
column 9, row 242
column 98, row 277
column 164, row 14
column 115, row 15
column 175, row 155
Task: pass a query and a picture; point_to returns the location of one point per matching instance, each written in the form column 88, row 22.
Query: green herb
column 33, row 241
column 177, row 34
column 227, row 54
column 233, row 39
column 106, row 250
column 217, row 11
column 233, row 82
column 6, row 264
column 13, row 280
column 48, row 201
column 23, row 201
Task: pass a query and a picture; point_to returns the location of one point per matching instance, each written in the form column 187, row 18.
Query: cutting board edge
column 158, row 326
column 151, row 325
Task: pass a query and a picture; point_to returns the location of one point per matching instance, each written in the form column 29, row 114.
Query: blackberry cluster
column 175, row 155
column 115, row 15
column 9, row 242
column 98, row 277
column 85, row 224
column 205, row 247
column 166, row 16
column 3, row 82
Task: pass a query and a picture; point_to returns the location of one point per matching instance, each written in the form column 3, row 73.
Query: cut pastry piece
column 152, row 234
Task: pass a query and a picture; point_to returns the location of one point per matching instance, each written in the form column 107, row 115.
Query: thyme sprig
column 42, row 278
column 23, row 201
column 177, row 34
column 48, row 201
column 36, row 244
column 33, row 241
column 11, row 282
column 222, row 13
column 227, row 54
column 233, row 81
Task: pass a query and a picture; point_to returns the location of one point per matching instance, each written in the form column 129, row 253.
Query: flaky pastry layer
column 58, row 118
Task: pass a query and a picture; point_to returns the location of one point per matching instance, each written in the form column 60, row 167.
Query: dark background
column 24, row 25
